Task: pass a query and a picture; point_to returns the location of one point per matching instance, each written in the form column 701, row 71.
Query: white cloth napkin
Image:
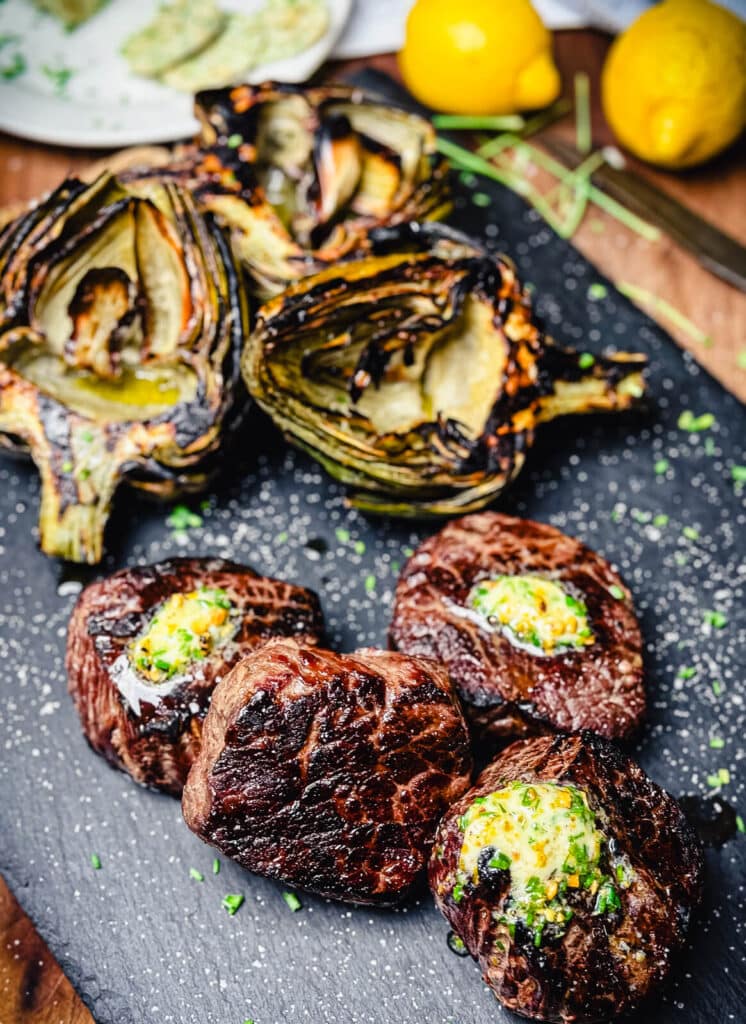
column 377, row 26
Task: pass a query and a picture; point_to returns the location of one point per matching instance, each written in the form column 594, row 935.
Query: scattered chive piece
column 458, row 892
column 713, row 781
column 359, row 547
column 716, row 743
column 95, row 862
column 292, row 901
column 717, row 687
column 408, row 552
column 234, row 140
column 741, row 359
column 16, row 67
column 690, row 533
column 715, row 619
column 342, row 535
column 182, row 518
column 586, row 360
column 232, row 902
column 196, row 875
column 739, row 823
column 59, row 77
column 709, row 446
column 723, row 776
column 481, row 199
column 661, row 466
column 476, row 123
column 582, row 113
column 370, row 583
column 660, row 520
column 84, row 474
column 597, row 291
column 687, row 672
column 281, row 537
column 738, row 473
column 624, row 216
column 695, row 424
column 67, row 466
column 617, row 592
column 216, row 866
column 664, row 309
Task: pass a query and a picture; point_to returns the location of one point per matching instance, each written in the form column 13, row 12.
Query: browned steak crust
column 156, row 737
column 508, row 691
column 329, row 771
column 604, row 964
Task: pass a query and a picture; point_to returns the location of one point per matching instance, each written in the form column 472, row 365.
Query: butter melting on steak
column 329, row 771
column 147, row 646
column 537, row 631
column 570, row 877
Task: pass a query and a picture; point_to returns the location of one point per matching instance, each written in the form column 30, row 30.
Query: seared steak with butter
column 147, row 645
column 537, row 631
column 329, row 771
column 570, row 877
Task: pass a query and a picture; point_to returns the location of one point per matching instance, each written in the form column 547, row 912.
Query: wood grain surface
column 33, row 989
column 716, row 191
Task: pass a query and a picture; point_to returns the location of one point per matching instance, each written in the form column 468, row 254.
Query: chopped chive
column 182, row 518
column 583, row 140
column 232, row 902
column 196, row 875
column 617, row 592
column 67, row 466
column 690, row 533
column 370, row 583
column 342, row 535
column 739, row 823
column 281, row 537
column 292, row 901
column 660, row 520
column 458, row 892
column 59, row 77
column 476, row 123
column 597, row 291
column 16, row 67
column 717, row 743
column 715, row 619
column 359, row 547
column 738, row 474
column 687, row 672
column 95, row 862
column 713, row 781
column 717, row 687
column 695, row 424
column 586, row 360
column 724, row 776
column 216, row 866
column 234, row 141
column 661, row 466
column 741, row 359
column 481, row 199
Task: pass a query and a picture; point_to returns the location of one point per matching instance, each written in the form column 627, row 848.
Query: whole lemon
column 478, row 56
column 674, row 84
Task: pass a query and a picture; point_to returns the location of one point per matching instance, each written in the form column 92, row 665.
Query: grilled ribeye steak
column 570, row 876
column 329, row 771
column 147, row 646
column 537, row 631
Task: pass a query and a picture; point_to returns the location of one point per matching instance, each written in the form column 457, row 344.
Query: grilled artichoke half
column 121, row 322
column 417, row 376
column 300, row 176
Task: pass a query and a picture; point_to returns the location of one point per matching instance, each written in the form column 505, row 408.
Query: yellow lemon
column 674, row 84
column 478, row 56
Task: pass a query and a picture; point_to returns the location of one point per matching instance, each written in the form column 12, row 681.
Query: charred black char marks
column 508, row 691
column 606, row 962
column 329, row 771
column 153, row 732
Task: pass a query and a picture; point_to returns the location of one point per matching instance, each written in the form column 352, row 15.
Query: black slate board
column 140, row 940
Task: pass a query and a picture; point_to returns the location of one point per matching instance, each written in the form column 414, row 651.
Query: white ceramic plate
column 102, row 103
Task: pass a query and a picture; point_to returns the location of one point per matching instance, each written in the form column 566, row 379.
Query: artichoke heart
column 299, row 176
column 416, row 374
column 121, row 321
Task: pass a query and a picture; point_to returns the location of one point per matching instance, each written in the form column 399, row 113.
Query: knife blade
column 718, row 252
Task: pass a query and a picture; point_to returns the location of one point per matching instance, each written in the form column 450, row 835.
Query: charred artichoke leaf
column 301, row 176
column 417, row 376
column 120, row 331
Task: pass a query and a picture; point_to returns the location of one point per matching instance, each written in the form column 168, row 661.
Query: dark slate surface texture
column 140, row 939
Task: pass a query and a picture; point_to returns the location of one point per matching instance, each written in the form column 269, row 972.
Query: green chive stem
column 583, row 140
column 479, row 122
column 640, row 296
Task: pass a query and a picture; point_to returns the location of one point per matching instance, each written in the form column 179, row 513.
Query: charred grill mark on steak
column 507, row 691
column 329, row 771
column 604, row 964
column 151, row 734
